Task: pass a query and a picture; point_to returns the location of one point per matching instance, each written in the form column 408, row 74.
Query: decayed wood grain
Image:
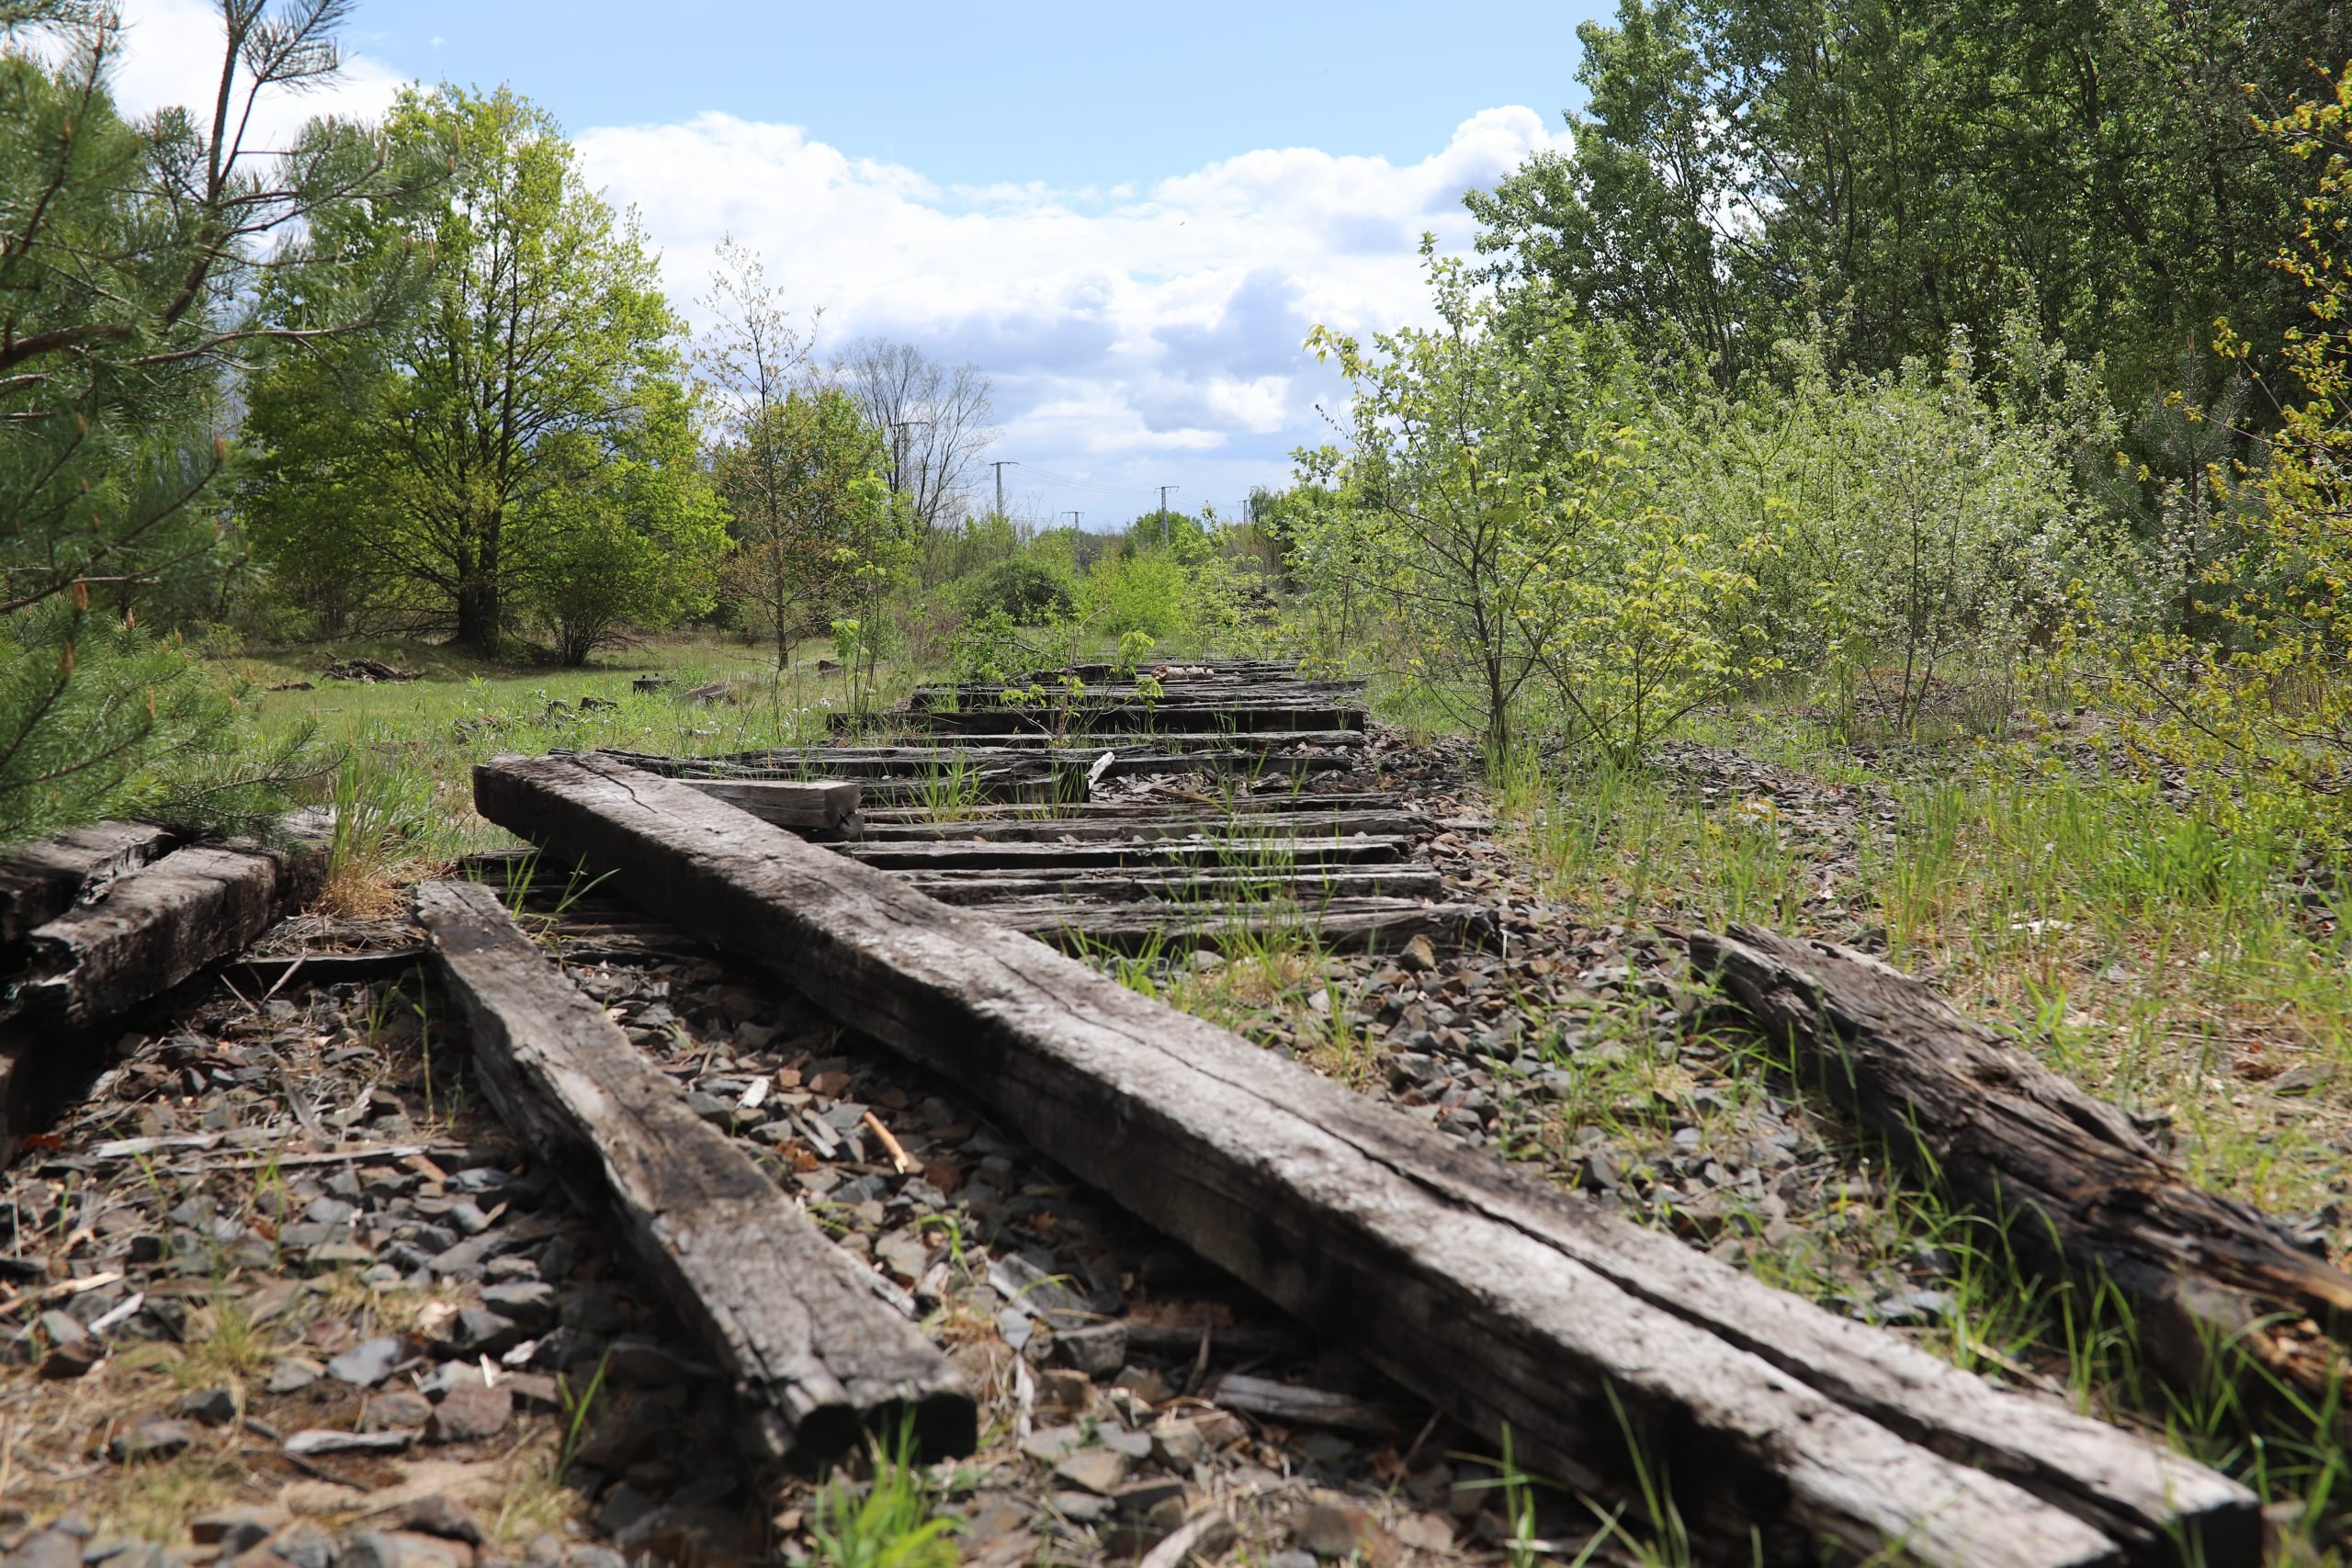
column 1493, row 1294
column 154, row 928
column 43, row 878
column 2086, row 1195
column 818, row 1358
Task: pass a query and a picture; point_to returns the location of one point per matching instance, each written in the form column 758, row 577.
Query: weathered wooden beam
column 1339, row 924
column 821, row 809
column 1217, row 888
column 43, row 878
column 1235, row 856
column 1094, row 810
column 817, row 1356
column 2003, row 1134
column 1503, row 1300
column 1161, row 718
column 154, row 928
column 1090, row 830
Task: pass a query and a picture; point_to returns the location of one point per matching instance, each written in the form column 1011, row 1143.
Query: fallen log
column 1501, row 1299
column 41, row 879
column 2079, row 1193
column 818, row 1357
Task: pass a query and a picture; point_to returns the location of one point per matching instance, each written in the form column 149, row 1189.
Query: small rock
column 479, row 1331
column 73, row 1359
column 1096, row 1349
column 292, row 1374
column 213, row 1406
column 1331, row 1525
column 401, row 1409
column 1082, row 1508
column 1099, row 1471
column 1136, row 1499
column 306, row 1545
column 444, row 1516
column 1418, row 957
column 367, row 1363
column 52, row 1548
column 471, row 1411
column 152, row 1437
column 529, row 1303
column 237, row 1528
column 1066, row 1393
column 1425, row 1533
column 406, row 1549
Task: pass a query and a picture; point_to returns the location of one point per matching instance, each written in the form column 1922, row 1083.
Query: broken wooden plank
column 822, row 810
column 2005, row 1134
column 818, row 1357
column 1498, row 1297
column 43, row 878
column 154, row 928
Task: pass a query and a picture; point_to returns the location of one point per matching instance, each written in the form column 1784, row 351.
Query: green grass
column 416, row 741
column 2160, row 953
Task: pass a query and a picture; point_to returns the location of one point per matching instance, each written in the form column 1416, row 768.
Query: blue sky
column 1127, row 217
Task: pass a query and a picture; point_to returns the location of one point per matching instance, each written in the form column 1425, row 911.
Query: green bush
column 1146, row 593
column 1031, row 592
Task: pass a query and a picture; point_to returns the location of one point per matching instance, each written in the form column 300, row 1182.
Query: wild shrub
column 1030, row 591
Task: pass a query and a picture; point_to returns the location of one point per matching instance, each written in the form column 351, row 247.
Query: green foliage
column 812, row 505
column 1029, row 590
column 1142, row 592
column 527, row 397
column 1918, row 170
column 133, row 255
column 1908, row 532
column 2248, row 690
column 1482, row 466
column 885, row 1522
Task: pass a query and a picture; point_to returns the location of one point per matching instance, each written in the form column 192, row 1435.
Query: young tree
column 1462, row 505
column 642, row 547
column 129, row 255
column 812, row 466
column 510, row 410
column 933, row 417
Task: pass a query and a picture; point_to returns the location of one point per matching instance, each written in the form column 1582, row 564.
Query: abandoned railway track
column 887, row 888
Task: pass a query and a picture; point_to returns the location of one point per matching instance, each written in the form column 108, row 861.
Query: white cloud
column 1142, row 334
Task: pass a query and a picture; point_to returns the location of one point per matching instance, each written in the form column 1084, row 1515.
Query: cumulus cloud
column 172, row 55
column 1137, row 334
column 1141, row 333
